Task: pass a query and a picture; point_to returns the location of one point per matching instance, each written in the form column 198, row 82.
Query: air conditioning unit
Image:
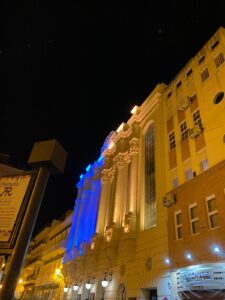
column 169, row 200
column 184, row 105
column 194, row 131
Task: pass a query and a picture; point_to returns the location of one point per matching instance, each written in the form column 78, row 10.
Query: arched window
column 150, row 201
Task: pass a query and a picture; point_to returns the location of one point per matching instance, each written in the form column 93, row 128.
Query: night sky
column 73, row 70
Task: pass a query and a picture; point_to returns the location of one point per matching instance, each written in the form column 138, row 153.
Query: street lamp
column 107, row 278
column 90, row 281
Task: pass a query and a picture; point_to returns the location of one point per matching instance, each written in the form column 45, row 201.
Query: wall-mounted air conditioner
column 184, row 105
column 194, row 131
column 169, row 200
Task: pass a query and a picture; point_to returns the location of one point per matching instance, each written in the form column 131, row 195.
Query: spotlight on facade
column 189, row 256
column 57, row 271
column 167, row 261
column 65, row 289
column 107, row 278
column 120, row 128
column 216, row 249
column 111, row 145
column 134, row 110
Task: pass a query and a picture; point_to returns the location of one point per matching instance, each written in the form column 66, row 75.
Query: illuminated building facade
column 159, row 192
column 194, row 119
column 41, row 276
column 129, row 244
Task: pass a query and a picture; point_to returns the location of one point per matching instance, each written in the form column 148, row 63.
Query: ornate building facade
column 130, row 242
column 155, row 198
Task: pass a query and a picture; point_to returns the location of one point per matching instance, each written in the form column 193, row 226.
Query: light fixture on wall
column 77, row 285
column 90, row 281
column 66, row 289
column 107, row 278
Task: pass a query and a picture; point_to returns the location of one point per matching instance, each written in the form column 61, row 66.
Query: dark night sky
column 72, row 70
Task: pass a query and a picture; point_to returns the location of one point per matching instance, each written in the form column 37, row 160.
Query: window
column 197, row 119
column 170, row 93
column 178, row 84
column 218, row 98
column 172, row 141
column 184, row 130
column 212, row 211
column 214, row 45
column 219, row 60
column 194, row 220
column 175, row 182
column 178, row 225
column 189, row 73
column 204, row 74
column 204, row 165
column 150, row 201
column 188, row 174
column 201, row 59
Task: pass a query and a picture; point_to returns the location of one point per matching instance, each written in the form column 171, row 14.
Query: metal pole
column 24, row 236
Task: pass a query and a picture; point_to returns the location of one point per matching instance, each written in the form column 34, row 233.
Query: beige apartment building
column 41, row 277
column 157, row 194
column 194, row 119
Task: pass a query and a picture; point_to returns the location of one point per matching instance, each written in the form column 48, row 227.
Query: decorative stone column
column 120, row 161
column 105, row 180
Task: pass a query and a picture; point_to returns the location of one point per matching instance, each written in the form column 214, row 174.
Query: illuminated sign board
column 201, row 277
column 14, row 196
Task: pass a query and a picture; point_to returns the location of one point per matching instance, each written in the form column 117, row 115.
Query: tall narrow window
column 212, row 211
column 194, row 220
column 204, row 74
column 172, row 141
column 184, row 130
column 178, row 225
column 150, row 201
column 197, row 119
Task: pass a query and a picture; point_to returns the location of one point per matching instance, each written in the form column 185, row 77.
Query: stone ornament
column 134, row 146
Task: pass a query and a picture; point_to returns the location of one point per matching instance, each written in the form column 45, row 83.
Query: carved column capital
column 134, row 146
column 107, row 174
column 120, row 160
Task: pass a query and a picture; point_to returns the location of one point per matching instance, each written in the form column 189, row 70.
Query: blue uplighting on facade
column 85, row 210
column 100, row 158
column 81, row 176
column 88, row 168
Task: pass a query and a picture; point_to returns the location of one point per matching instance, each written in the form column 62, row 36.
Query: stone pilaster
column 119, row 161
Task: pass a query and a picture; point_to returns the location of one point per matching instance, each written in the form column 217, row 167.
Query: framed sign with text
column 15, row 192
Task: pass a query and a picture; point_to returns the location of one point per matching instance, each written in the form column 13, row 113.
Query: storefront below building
column 205, row 281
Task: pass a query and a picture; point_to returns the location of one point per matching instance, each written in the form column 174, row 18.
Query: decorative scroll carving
column 120, row 160
column 134, row 146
